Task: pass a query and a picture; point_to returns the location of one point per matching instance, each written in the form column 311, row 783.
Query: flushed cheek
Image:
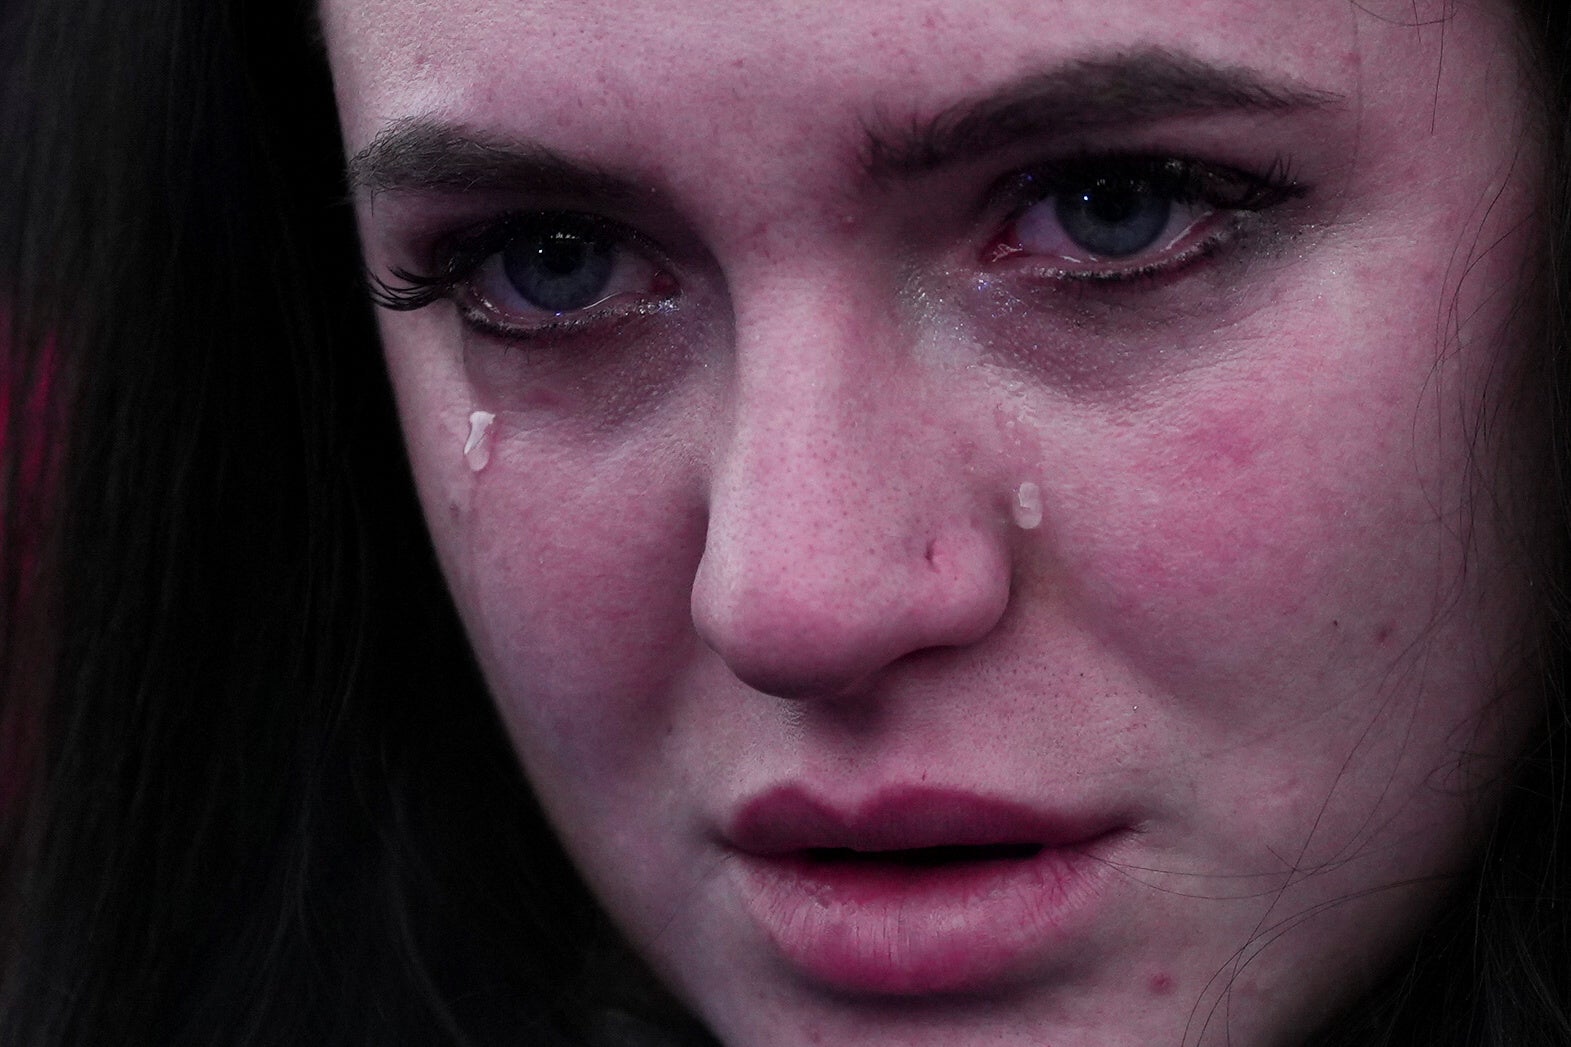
column 1260, row 535
column 1290, row 599
column 1224, row 539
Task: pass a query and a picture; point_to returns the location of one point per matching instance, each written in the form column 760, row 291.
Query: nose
column 846, row 528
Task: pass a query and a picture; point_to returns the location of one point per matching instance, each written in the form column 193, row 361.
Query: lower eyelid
column 1204, row 245
column 1208, row 225
column 605, row 315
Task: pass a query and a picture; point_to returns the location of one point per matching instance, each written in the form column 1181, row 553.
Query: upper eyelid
column 481, row 240
column 431, row 236
column 1035, row 182
column 449, row 258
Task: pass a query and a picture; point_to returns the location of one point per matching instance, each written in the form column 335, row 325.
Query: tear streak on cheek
column 559, row 560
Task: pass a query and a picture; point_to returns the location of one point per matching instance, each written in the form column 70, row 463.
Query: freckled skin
column 770, row 538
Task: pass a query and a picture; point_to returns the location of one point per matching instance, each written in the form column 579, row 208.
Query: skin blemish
column 477, row 448
column 1026, row 508
column 1161, row 984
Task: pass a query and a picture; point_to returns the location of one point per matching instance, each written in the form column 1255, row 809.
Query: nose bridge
column 844, row 532
column 827, row 407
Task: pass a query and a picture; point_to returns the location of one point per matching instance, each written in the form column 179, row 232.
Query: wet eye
column 551, row 267
column 535, row 274
column 1110, row 218
column 559, row 269
column 1105, row 220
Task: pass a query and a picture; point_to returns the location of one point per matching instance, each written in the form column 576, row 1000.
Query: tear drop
column 477, row 449
column 1027, row 507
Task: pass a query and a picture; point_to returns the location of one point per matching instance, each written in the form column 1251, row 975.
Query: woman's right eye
column 537, row 274
column 550, row 269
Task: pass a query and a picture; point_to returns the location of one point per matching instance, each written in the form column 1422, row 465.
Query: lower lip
column 877, row 928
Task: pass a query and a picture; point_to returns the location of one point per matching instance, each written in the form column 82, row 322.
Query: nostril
column 778, row 647
column 803, row 596
column 826, row 624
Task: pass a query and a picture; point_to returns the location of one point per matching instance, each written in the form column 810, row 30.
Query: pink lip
column 917, row 890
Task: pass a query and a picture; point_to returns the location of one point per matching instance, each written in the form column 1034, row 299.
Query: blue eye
column 1114, row 218
column 535, row 275
column 560, row 268
column 1107, row 218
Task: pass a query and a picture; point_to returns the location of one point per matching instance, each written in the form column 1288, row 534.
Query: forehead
column 674, row 72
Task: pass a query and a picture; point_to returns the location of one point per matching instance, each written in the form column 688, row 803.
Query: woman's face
column 978, row 517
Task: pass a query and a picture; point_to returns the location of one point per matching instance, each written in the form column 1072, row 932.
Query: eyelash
column 460, row 256
column 1220, row 190
column 1225, row 191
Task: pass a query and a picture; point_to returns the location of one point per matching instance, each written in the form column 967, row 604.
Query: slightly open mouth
column 926, row 857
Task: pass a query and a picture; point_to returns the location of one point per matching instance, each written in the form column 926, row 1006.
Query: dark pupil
column 559, row 270
column 1114, row 218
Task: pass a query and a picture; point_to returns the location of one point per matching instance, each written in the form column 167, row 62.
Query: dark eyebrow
column 1086, row 95
column 425, row 154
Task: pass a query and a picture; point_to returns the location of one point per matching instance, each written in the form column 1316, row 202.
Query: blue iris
column 1114, row 217
column 559, row 269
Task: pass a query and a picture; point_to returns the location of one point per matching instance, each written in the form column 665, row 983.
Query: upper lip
column 790, row 818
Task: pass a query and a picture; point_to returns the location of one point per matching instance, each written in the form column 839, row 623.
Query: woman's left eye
column 1117, row 219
